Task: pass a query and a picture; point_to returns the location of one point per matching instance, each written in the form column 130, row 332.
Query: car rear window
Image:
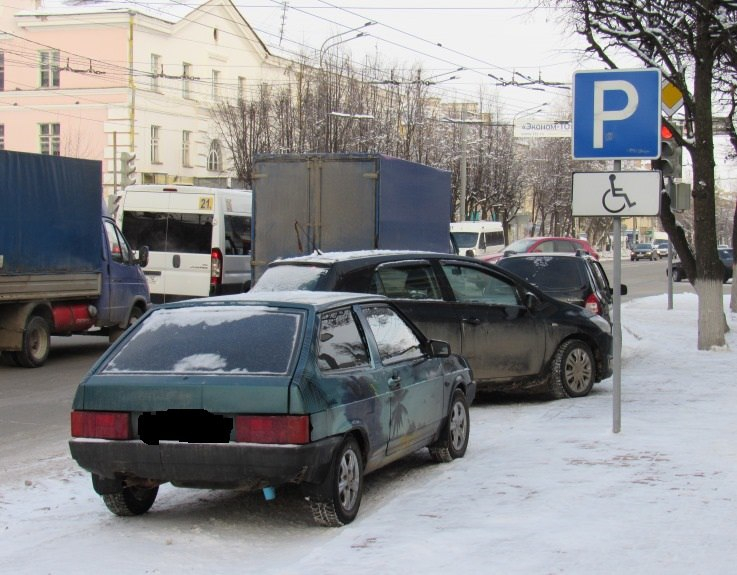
column 547, row 272
column 288, row 277
column 169, row 232
column 211, row 340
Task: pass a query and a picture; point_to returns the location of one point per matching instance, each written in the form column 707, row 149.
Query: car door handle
column 394, row 381
column 471, row 320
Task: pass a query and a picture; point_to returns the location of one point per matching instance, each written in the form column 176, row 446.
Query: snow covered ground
column 546, row 487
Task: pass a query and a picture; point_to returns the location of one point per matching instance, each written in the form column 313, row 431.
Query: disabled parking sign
column 621, row 194
column 616, row 114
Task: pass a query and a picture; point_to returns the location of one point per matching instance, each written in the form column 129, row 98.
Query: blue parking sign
column 616, row 114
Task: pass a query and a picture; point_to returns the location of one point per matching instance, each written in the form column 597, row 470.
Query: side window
column 565, row 246
column 416, row 281
column 340, row 345
column 237, row 235
column 395, row 339
column 600, row 276
column 119, row 250
column 545, row 247
column 471, row 284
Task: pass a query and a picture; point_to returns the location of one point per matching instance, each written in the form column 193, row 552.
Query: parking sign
column 616, row 114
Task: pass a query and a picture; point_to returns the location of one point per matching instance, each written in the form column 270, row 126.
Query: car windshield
column 547, row 272
column 643, row 246
column 290, row 277
column 465, row 239
column 520, row 246
column 211, row 340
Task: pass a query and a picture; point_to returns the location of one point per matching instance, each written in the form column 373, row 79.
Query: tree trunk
column 709, row 269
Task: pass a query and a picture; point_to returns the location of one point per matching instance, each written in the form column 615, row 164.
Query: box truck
column 304, row 203
column 65, row 268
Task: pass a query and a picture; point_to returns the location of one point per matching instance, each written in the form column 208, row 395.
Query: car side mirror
column 439, row 348
column 623, row 289
column 531, row 301
column 142, row 259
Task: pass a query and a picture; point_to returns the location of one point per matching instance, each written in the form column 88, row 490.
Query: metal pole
column 670, row 253
column 462, row 191
column 616, row 323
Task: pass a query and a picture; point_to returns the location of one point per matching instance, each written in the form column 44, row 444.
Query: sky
column 546, row 487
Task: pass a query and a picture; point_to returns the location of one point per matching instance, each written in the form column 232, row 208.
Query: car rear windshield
column 289, row 277
column 169, row 232
column 547, row 272
column 211, row 340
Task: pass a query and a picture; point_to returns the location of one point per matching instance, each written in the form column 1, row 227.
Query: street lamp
column 325, row 45
column 527, row 112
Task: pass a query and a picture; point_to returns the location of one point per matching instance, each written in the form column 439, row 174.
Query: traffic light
column 127, row 169
column 671, row 155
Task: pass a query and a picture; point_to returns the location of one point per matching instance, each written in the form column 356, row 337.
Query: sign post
column 616, row 115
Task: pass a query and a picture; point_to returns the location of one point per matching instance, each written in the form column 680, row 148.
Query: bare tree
column 689, row 40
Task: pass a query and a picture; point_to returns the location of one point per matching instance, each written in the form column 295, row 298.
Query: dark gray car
column 513, row 335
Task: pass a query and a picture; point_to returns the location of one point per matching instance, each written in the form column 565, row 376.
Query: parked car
column 644, row 251
column 254, row 391
column 726, row 257
column 543, row 245
column 575, row 278
column 661, row 247
column 513, row 335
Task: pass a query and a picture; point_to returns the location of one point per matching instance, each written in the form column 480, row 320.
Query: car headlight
column 601, row 323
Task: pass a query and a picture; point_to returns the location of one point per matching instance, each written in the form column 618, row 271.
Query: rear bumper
column 206, row 465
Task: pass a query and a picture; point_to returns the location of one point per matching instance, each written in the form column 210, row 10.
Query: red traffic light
column 665, row 133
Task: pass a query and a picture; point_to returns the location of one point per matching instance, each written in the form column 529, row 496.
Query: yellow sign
column 206, row 203
column 671, row 98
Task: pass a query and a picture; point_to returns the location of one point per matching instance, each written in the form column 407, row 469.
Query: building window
column 214, row 157
column 155, row 71
column 49, row 67
column 186, row 82
column 186, row 137
column 2, row 136
column 241, row 88
column 155, row 159
column 215, row 84
column 2, row 71
column 50, row 139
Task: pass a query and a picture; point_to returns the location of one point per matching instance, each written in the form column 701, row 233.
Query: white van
column 477, row 238
column 199, row 238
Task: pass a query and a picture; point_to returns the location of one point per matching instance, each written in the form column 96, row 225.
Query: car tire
column 677, row 275
column 341, row 494
column 116, row 332
column 131, row 500
column 573, row 370
column 36, row 343
column 453, row 440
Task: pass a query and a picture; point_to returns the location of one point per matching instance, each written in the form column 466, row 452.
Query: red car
column 542, row 244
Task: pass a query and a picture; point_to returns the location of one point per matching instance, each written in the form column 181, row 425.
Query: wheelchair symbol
column 615, row 196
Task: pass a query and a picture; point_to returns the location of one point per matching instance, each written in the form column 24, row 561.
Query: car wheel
column 131, row 501
column 338, row 505
column 36, row 343
column 453, row 440
column 677, row 275
column 116, row 332
column 573, row 370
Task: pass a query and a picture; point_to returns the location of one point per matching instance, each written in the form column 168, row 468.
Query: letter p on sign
column 601, row 115
column 616, row 114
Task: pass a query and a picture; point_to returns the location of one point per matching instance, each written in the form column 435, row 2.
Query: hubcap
column 350, row 480
column 578, row 370
column 458, row 426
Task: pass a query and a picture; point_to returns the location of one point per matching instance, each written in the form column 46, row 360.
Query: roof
column 328, row 258
column 304, row 299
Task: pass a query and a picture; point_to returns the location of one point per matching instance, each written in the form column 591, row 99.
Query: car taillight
column 593, row 304
column 293, row 429
column 101, row 424
column 216, row 267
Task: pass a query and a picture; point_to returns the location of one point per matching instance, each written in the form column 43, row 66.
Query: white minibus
column 199, row 238
column 477, row 238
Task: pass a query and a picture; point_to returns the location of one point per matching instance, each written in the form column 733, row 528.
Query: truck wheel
column 116, row 332
column 341, row 497
column 131, row 501
column 36, row 343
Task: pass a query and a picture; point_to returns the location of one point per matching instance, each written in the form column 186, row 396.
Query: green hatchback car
column 254, row 391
